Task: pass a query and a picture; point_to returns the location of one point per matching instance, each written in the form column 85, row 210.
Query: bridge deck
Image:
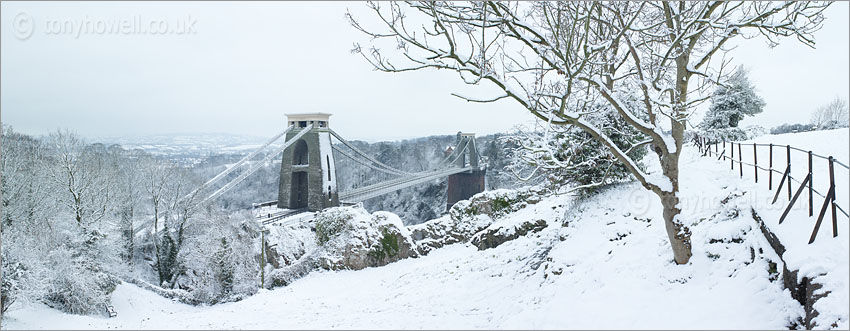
column 374, row 190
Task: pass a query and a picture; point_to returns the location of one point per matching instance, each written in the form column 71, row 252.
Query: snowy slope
column 601, row 263
column 835, row 143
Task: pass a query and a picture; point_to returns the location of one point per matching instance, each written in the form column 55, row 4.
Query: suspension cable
column 364, row 155
column 238, row 164
column 458, row 150
column 462, row 150
column 360, row 161
column 257, row 166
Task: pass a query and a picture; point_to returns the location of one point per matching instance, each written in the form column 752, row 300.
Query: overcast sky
column 244, row 65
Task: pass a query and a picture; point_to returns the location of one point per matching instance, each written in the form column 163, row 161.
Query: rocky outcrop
column 469, row 217
column 286, row 244
column 350, row 238
column 496, row 235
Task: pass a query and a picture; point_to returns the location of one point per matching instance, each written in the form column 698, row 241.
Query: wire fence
column 718, row 149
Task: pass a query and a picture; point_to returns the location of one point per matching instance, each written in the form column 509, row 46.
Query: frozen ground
column 601, row 263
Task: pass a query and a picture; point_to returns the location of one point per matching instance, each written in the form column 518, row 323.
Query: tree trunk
column 158, row 263
column 677, row 232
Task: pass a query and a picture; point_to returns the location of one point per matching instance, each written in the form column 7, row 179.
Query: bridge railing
column 718, row 149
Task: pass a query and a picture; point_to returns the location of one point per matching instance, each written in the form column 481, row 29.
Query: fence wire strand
column 721, row 153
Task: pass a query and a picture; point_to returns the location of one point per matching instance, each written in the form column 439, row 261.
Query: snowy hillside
column 603, row 262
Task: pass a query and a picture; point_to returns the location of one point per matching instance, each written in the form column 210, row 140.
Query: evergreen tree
column 224, row 268
column 730, row 103
column 572, row 158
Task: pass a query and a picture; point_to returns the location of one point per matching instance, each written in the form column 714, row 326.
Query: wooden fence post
column 832, row 197
column 732, row 158
column 828, row 200
column 788, row 159
column 811, row 181
column 770, row 169
column 756, row 163
column 740, row 161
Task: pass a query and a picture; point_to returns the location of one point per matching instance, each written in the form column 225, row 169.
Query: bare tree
column 557, row 59
column 82, row 172
column 174, row 201
column 156, row 177
column 832, row 115
column 128, row 195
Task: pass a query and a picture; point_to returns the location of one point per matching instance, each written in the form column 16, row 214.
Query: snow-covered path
column 608, row 266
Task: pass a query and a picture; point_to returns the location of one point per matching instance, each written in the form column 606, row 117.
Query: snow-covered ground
column 601, row 263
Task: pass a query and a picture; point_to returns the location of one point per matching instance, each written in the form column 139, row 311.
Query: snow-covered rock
column 351, row 238
column 500, row 234
column 469, row 217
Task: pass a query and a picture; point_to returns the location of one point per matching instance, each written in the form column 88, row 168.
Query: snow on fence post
column 740, row 161
column 770, row 169
column 811, row 181
column 755, row 163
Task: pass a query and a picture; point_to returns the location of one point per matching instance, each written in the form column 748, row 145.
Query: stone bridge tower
column 463, row 186
column 308, row 173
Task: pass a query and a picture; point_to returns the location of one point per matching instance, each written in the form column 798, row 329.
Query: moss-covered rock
column 354, row 239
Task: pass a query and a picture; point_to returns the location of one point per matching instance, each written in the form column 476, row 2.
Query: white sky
column 248, row 64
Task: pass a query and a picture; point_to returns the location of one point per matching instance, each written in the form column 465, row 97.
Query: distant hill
column 180, row 143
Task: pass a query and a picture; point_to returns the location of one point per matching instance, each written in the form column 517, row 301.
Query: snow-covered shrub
column 359, row 240
column 77, row 284
column 330, row 222
column 755, row 131
column 10, row 285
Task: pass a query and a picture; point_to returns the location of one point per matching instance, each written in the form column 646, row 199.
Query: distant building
column 448, row 151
